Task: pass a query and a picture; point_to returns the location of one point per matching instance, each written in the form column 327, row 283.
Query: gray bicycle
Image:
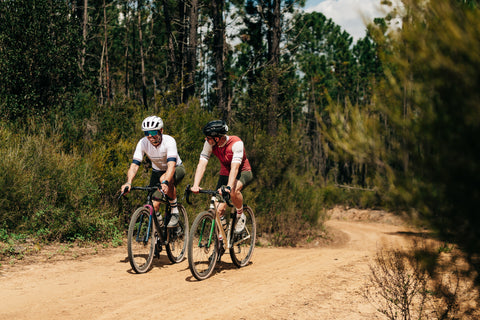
column 147, row 234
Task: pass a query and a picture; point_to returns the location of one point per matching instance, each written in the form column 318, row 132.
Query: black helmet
column 215, row 128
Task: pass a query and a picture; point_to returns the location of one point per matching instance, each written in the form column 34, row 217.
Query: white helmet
column 152, row 123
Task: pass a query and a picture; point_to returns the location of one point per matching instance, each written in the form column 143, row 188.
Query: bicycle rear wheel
column 244, row 242
column 203, row 246
column 178, row 237
column 141, row 240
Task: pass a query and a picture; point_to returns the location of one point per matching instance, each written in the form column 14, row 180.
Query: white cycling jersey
column 159, row 155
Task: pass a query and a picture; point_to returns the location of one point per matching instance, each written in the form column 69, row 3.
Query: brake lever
column 125, row 191
column 226, row 196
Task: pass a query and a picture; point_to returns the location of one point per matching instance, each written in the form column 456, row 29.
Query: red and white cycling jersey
column 159, row 155
column 232, row 151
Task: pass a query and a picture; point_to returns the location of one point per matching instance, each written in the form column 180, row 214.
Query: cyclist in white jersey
column 167, row 167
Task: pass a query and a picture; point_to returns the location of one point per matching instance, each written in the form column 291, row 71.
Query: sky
column 348, row 14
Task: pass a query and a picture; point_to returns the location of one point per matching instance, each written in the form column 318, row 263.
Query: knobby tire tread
column 133, row 246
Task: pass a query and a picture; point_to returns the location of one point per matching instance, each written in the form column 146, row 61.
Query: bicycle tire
column 203, row 246
column 178, row 237
column 243, row 244
column 141, row 240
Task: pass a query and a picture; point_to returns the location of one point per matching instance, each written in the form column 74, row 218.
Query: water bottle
column 224, row 223
column 159, row 218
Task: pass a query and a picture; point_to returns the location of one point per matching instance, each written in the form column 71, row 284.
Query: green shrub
column 49, row 193
column 62, row 175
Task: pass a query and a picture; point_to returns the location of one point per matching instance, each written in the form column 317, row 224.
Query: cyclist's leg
column 244, row 235
column 242, row 180
column 154, row 181
column 177, row 178
column 222, row 181
column 172, row 193
column 236, row 194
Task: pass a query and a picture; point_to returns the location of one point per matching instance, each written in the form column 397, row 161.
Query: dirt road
column 280, row 283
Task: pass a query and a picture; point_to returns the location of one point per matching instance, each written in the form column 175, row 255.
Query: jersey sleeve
column 237, row 149
column 139, row 153
column 172, row 152
column 206, row 152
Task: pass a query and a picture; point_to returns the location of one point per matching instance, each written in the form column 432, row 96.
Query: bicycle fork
column 224, row 236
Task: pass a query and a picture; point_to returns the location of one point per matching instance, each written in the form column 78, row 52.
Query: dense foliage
column 421, row 133
column 38, row 58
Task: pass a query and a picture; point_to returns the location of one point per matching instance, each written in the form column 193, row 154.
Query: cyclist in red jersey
column 235, row 171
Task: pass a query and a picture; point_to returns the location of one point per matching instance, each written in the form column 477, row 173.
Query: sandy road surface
column 280, row 283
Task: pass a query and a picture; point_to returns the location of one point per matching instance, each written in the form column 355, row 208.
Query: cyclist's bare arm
column 132, row 171
column 237, row 158
column 202, row 165
column 232, row 177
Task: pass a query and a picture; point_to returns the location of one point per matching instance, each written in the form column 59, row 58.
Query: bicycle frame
column 217, row 224
column 162, row 230
column 216, row 199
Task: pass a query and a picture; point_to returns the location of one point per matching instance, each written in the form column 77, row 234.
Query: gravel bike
column 204, row 246
column 147, row 233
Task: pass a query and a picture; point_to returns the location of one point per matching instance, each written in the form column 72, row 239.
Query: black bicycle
column 204, row 246
column 147, row 233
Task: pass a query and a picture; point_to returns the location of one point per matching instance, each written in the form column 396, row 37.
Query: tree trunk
column 274, row 63
column 84, row 34
column 134, row 59
column 182, row 48
column 107, row 66
column 142, row 56
column 103, row 78
column 218, row 52
column 191, row 65
column 126, row 53
column 172, row 77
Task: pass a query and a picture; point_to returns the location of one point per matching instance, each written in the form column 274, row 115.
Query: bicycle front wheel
column 203, row 246
column 141, row 240
column 243, row 243
column 178, row 237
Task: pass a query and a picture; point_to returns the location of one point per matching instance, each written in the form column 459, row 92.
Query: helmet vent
column 152, row 123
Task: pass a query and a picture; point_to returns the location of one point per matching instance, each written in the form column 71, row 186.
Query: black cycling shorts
column 245, row 177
